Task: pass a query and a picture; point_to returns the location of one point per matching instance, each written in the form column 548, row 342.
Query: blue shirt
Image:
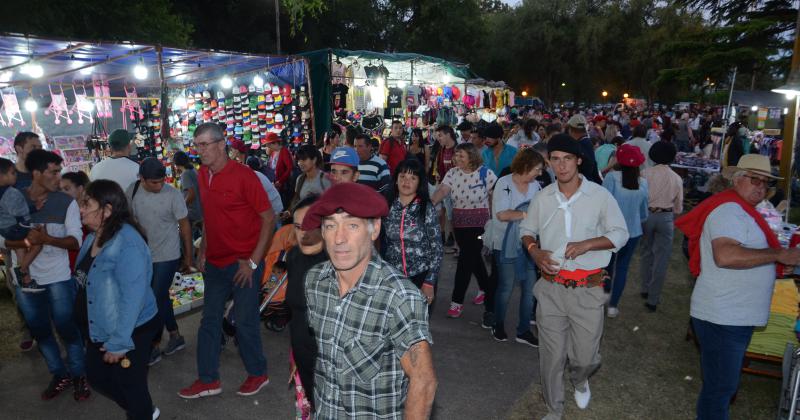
column 504, row 161
column 118, row 293
column 632, row 203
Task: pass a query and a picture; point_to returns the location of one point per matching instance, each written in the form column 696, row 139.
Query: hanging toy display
column 58, row 105
column 102, row 99
column 83, row 107
column 132, row 105
column 11, row 107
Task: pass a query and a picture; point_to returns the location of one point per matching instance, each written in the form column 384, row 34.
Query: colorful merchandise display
column 186, row 292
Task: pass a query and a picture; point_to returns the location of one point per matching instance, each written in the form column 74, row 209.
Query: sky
column 512, row 2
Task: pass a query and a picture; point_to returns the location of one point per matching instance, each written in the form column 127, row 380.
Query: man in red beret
column 370, row 323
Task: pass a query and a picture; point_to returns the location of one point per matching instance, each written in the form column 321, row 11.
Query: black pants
column 126, row 386
column 470, row 261
column 305, row 357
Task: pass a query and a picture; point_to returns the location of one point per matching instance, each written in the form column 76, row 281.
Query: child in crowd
column 15, row 218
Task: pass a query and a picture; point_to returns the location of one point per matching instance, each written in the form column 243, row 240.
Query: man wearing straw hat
column 735, row 254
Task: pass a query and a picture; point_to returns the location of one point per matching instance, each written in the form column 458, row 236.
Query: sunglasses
column 758, row 182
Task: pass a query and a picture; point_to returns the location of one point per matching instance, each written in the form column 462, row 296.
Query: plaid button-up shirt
column 361, row 338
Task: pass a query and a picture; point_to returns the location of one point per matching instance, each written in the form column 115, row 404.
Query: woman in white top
column 469, row 185
column 526, row 136
column 512, row 195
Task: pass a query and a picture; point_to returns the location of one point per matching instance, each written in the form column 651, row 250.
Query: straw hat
column 758, row 164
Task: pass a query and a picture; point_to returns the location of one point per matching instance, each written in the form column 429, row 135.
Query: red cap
column 369, row 205
column 629, row 155
column 237, row 144
column 272, row 138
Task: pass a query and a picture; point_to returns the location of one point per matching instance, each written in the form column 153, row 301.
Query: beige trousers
column 570, row 322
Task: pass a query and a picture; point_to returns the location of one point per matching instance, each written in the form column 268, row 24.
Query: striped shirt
column 374, row 173
column 361, row 338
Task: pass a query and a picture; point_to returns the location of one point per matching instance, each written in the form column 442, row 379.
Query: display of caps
column 206, row 94
column 251, row 88
column 242, row 89
column 278, row 118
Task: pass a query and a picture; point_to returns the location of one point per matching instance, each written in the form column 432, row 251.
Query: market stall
column 369, row 89
column 74, row 93
column 489, row 99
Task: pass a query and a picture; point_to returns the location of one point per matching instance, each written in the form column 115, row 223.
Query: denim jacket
column 118, row 292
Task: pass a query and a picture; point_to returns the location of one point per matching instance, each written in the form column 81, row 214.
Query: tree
column 148, row 21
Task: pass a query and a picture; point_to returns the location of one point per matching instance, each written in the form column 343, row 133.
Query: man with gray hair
column 370, row 323
column 736, row 258
column 118, row 167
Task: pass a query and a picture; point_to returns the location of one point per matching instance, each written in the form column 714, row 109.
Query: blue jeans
column 522, row 271
column 163, row 275
column 55, row 304
column 722, row 349
column 218, row 287
column 618, row 270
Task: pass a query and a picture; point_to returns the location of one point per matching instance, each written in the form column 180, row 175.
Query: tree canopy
column 659, row 50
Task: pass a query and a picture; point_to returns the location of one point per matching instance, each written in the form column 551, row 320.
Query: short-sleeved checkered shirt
column 361, row 338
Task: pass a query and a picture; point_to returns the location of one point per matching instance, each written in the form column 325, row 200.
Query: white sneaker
column 607, row 297
column 156, row 413
column 582, row 398
column 612, row 312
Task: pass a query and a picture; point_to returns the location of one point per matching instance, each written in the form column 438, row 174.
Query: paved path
column 478, row 377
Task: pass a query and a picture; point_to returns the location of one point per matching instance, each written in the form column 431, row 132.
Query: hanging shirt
column 339, row 96
column 337, row 73
column 395, row 98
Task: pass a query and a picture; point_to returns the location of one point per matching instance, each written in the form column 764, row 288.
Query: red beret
column 238, row 145
column 354, row 199
column 629, row 155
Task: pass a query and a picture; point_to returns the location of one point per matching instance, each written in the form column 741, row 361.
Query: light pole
column 791, row 88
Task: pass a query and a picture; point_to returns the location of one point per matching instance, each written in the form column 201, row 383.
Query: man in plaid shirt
column 370, row 322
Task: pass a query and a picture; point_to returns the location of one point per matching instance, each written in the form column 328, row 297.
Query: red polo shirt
column 232, row 200
column 395, row 152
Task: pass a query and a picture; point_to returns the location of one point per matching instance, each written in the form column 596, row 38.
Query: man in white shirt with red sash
column 578, row 224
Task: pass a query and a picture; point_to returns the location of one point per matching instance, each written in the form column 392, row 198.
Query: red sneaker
column 199, row 389
column 253, row 384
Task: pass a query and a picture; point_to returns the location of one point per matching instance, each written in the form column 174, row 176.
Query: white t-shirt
column 52, row 263
column 467, row 190
column 122, row 170
column 519, row 139
column 272, row 193
column 739, row 297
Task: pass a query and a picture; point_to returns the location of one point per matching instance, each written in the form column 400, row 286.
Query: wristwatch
column 253, row 265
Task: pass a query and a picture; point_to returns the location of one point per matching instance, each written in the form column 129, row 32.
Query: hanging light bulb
column 258, row 81
column 139, row 70
column 754, row 108
column 179, row 102
column 31, row 105
column 32, row 70
column 226, row 82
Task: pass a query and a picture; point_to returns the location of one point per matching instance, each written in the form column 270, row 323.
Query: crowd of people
column 556, row 204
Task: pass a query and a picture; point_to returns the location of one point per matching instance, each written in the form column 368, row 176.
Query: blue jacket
column 118, row 292
column 632, row 203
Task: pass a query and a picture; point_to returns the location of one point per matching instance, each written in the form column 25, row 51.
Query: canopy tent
column 405, row 68
column 32, row 66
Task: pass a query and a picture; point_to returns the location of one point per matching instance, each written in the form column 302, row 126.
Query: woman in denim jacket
column 114, row 272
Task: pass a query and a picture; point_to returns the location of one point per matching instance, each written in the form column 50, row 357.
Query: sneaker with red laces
column 253, row 384
column 455, row 310
column 479, row 298
column 199, row 389
column 57, row 385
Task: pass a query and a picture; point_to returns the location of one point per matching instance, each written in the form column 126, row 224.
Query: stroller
column 274, row 312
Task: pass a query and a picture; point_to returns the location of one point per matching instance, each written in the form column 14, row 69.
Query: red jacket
column 691, row 224
column 283, row 168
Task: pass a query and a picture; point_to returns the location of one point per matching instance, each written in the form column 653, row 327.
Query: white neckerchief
column 567, row 207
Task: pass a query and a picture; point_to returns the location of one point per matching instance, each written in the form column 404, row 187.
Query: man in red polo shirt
column 239, row 223
column 393, row 148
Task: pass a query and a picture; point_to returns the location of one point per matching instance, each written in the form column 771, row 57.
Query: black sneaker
column 499, row 334
column 488, row 320
column 644, row 295
column 57, row 384
column 650, row 308
column 155, row 356
column 81, row 390
column 528, row 338
column 450, row 241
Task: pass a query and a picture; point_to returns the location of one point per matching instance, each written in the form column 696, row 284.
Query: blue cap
column 344, row 156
